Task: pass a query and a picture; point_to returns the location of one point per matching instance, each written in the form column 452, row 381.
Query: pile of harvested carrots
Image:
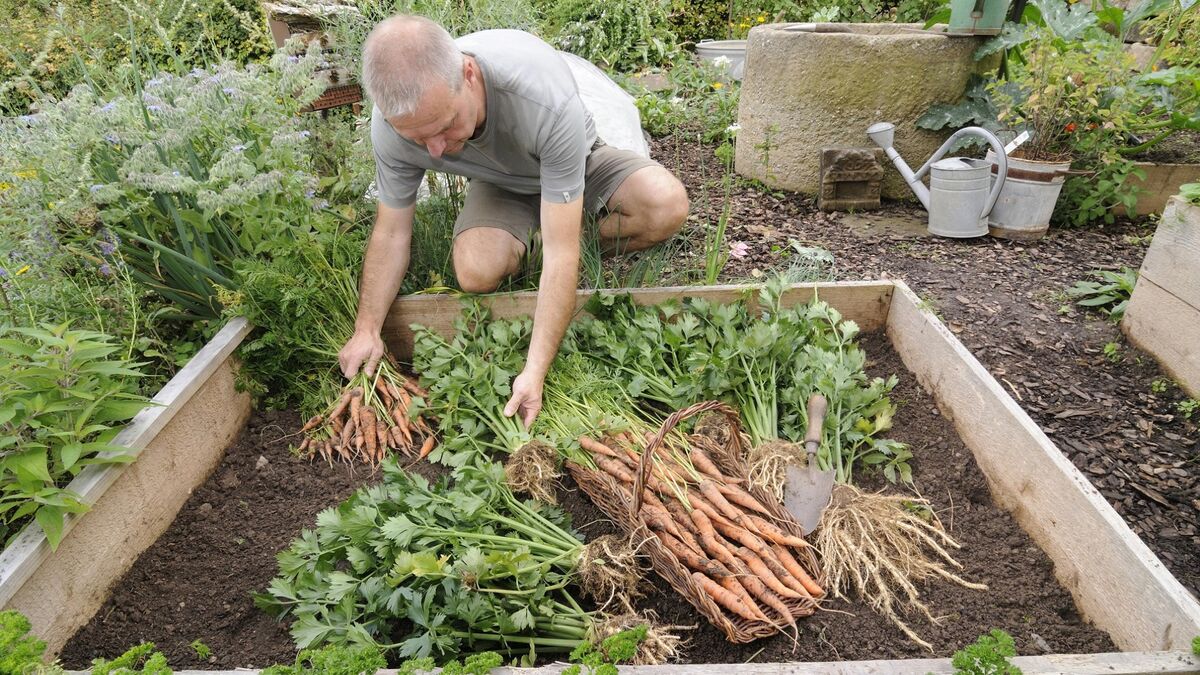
column 712, row 526
column 370, row 418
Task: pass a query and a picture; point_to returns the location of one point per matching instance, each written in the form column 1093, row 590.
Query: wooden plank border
column 1116, row 581
column 23, row 556
column 865, row 302
column 1116, row 663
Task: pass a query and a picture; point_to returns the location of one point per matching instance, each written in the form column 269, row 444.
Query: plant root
column 768, row 465
column 609, row 571
column 533, row 470
column 876, row 546
column 660, row 644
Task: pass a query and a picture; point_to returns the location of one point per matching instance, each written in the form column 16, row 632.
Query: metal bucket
column 1027, row 200
column 958, row 195
column 734, row 50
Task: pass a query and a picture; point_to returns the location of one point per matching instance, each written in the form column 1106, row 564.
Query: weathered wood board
column 1163, row 316
column 864, row 302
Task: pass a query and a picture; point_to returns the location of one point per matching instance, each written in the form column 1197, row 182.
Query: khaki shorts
column 487, row 205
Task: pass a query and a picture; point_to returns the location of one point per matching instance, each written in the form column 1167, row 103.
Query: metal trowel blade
column 806, row 492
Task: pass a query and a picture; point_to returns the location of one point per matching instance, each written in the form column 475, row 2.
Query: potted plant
column 1067, row 95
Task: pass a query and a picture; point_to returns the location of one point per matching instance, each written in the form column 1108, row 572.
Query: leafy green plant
column 1190, row 192
column 613, row 650
column 447, row 568
column 1160, row 385
column 988, row 656
column 19, row 651
column 140, row 659
column 618, row 34
column 187, row 171
column 1196, row 645
column 1110, row 295
column 1112, row 352
column 1188, row 407
column 333, row 660
column 62, row 395
column 202, row 651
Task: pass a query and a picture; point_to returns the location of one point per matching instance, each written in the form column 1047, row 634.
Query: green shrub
column 62, row 395
column 617, row 34
column 988, row 656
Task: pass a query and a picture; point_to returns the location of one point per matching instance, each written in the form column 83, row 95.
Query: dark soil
column 1109, row 414
column 1180, row 148
column 1023, row 597
column 195, row 582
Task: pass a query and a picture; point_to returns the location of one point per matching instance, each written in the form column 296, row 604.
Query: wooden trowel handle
column 817, row 406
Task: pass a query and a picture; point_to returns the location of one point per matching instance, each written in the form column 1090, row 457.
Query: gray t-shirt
column 536, row 137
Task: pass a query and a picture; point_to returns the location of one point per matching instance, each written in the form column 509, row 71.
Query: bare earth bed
column 1005, row 301
column 195, row 582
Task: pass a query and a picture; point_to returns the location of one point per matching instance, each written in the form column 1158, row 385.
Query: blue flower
column 154, row 82
column 29, row 119
column 239, row 147
column 228, row 90
column 107, row 248
column 174, row 173
column 310, row 193
column 154, row 108
column 95, row 188
column 293, row 59
column 214, row 79
column 112, row 138
column 105, row 270
column 197, row 72
column 108, row 107
column 305, row 134
column 3, row 272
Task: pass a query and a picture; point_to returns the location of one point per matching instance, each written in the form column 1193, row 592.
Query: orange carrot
column 680, row 514
column 413, row 388
column 426, row 447
column 714, row 497
column 337, row 424
column 303, row 446
column 597, row 448
column 792, row 566
column 705, row 464
column 758, row 589
column 699, row 502
column 735, row 532
column 393, row 390
column 311, row 423
column 658, row 519
column 722, row 597
column 614, row 469
column 382, row 438
column 401, row 418
column 773, row 533
column 348, row 432
column 730, row 582
column 689, row 558
column 742, row 498
column 768, row 577
column 708, row 538
column 341, row 405
column 356, row 397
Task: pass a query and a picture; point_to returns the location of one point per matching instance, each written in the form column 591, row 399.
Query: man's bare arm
column 384, row 266
column 561, row 225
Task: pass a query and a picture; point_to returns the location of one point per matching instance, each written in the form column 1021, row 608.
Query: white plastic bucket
column 1026, row 202
column 734, row 50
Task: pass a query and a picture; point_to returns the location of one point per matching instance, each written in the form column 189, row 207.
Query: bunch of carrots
column 369, row 418
column 714, row 527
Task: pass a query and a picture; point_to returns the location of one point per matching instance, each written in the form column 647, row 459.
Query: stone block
column 850, row 178
column 807, row 90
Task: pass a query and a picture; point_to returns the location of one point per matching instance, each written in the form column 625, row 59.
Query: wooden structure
column 1163, row 316
column 1092, row 548
column 178, row 440
column 306, row 19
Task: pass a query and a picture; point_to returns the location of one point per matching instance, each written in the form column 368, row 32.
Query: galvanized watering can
column 958, row 197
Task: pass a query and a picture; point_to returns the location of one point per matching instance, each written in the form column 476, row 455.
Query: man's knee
column 483, row 257
column 474, row 280
column 669, row 210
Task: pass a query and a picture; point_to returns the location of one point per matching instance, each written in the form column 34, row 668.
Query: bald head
column 403, row 57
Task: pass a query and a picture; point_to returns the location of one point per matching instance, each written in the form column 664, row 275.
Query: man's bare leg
column 485, row 256
column 648, row 208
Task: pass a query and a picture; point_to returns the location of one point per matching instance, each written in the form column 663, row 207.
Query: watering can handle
column 997, row 148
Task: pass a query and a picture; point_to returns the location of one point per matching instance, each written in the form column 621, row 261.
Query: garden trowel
column 806, row 488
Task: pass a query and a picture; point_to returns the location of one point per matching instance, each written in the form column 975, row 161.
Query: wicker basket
column 611, row 498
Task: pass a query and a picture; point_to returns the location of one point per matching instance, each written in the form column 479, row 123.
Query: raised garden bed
column 1092, row 551
column 177, row 440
